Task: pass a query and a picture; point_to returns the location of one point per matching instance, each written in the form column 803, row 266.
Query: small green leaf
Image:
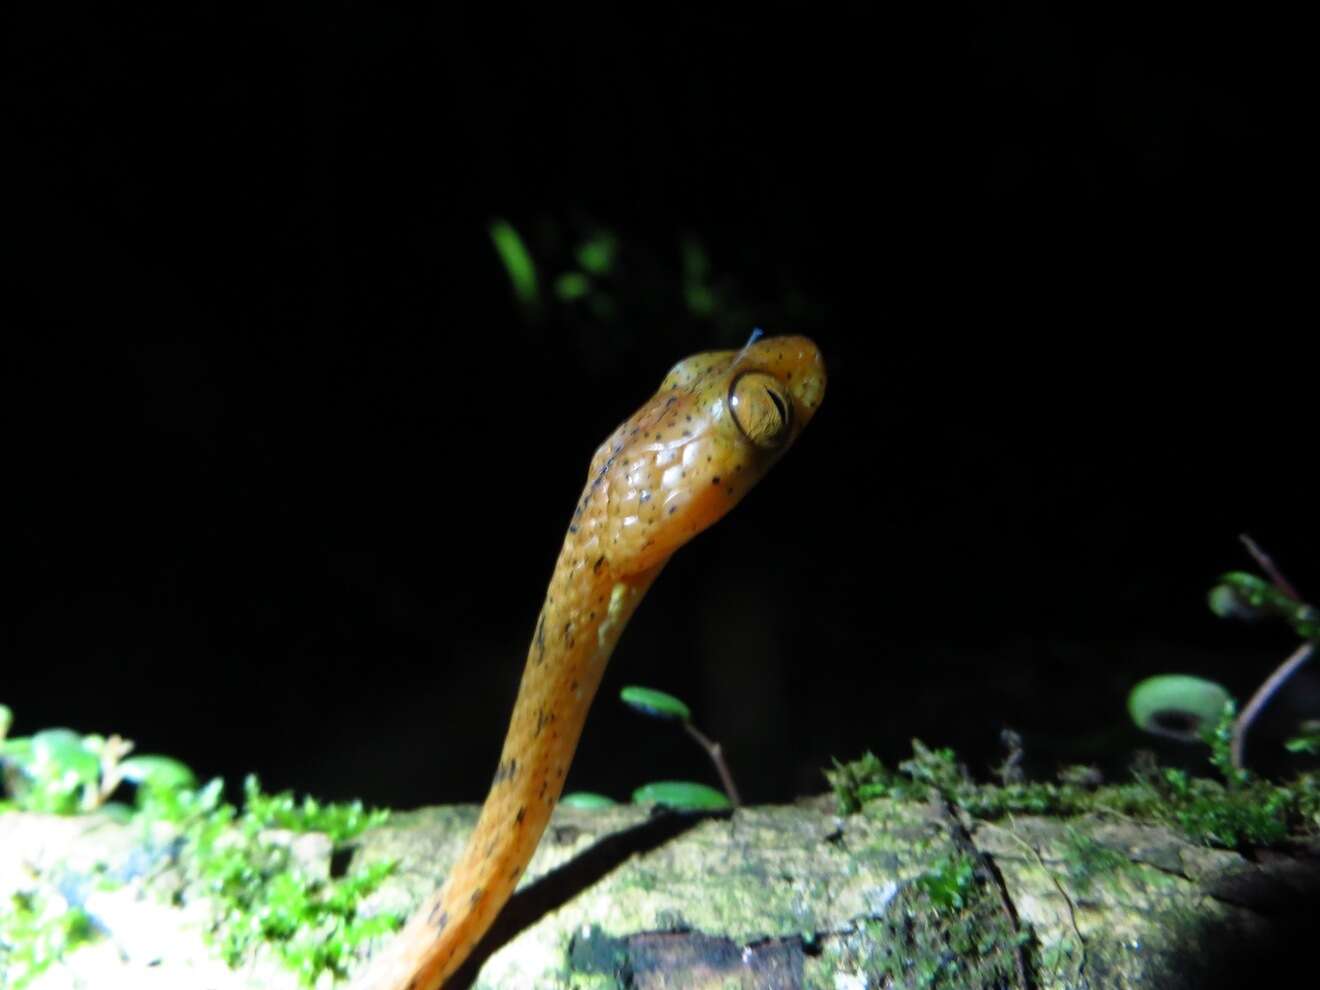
column 657, row 704
column 682, row 795
column 56, row 770
column 1240, row 595
column 1225, row 602
column 517, row 261
column 63, row 753
column 596, row 255
column 1307, row 740
column 572, row 285
column 587, row 801
column 1178, row 706
column 161, row 773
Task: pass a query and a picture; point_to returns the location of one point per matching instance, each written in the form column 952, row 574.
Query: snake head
column 719, row 421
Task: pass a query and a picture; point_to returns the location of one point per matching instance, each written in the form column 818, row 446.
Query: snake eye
column 761, row 409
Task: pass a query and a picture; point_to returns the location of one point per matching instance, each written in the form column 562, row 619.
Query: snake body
column 718, row 422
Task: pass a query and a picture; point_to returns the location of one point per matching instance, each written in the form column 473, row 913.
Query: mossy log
column 897, row 895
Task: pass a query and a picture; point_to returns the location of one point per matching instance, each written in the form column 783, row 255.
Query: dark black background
column 287, row 466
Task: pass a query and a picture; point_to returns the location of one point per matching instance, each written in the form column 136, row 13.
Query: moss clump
column 35, row 932
column 1239, row 812
column 1088, row 862
column 1207, row 812
column 949, row 882
column 946, row 930
column 243, row 861
column 262, row 894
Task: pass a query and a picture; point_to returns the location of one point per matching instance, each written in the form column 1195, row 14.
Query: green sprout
column 682, row 795
column 595, row 256
column 587, row 801
column 657, row 704
column 587, row 275
column 1177, row 706
column 61, row 771
column 1240, row 595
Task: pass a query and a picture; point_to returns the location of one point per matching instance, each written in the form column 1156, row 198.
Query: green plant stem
column 1262, row 696
column 716, row 755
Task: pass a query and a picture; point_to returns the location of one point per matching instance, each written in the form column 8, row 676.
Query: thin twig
column 113, row 750
column 1267, row 565
column 1261, row 698
column 716, row 755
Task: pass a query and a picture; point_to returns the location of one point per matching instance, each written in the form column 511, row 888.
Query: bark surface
column 900, row 894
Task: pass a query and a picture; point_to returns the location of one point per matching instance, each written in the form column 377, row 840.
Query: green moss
column 243, row 860
column 947, row 930
column 1239, row 812
column 949, row 882
column 1089, row 863
column 34, row 933
column 56, row 771
column 262, row 893
column 1254, row 814
column 864, row 780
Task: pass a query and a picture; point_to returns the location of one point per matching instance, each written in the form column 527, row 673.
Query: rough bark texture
column 903, row 895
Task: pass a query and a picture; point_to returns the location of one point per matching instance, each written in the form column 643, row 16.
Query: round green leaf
column 657, row 704
column 63, row 750
column 682, row 795
column 160, row 773
column 1178, row 706
column 1240, row 595
column 587, row 801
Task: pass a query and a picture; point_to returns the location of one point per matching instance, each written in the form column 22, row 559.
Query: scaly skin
column 717, row 424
